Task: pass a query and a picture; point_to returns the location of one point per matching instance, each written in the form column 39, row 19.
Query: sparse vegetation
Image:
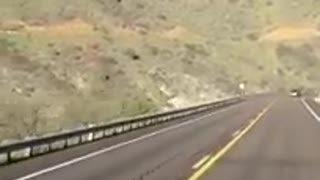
column 65, row 63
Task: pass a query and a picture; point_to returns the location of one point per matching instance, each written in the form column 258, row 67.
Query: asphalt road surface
column 263, row 138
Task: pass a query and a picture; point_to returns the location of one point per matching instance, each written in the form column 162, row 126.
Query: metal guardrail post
column 9, row 158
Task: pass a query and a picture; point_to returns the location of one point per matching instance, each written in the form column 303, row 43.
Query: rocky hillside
column 64, row 63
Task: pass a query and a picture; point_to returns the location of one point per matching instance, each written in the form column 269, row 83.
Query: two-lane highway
column 284, row 145
column 268, row 137
column 165, row 153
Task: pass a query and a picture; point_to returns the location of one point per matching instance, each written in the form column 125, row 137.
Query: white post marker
column 242, row 87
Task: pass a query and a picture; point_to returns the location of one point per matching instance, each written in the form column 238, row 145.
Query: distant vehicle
column 295, row 93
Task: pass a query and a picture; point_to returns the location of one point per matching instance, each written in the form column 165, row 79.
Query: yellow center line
column 236, row 133
column 225, row 149
column 201, row 162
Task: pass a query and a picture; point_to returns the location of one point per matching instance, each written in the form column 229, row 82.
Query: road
column 263, row 138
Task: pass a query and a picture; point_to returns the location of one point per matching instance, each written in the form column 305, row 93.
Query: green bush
column 6, row 43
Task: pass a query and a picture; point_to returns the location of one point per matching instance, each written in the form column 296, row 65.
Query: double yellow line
column 211, row 161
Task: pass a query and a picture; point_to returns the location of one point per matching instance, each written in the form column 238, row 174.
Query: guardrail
column 17, row 151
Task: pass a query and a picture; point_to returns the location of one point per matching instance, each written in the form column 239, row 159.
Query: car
column 295, row 93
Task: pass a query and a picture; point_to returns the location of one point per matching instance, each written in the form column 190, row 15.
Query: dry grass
column 69, row 63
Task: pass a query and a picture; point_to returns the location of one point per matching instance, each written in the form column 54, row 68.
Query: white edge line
column 117, row 146
column 314, row 114
column 200, row 162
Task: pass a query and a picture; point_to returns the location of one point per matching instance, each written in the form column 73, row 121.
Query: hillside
column 65, row 63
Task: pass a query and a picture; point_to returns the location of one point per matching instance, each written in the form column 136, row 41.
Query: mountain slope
column 65, row 63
